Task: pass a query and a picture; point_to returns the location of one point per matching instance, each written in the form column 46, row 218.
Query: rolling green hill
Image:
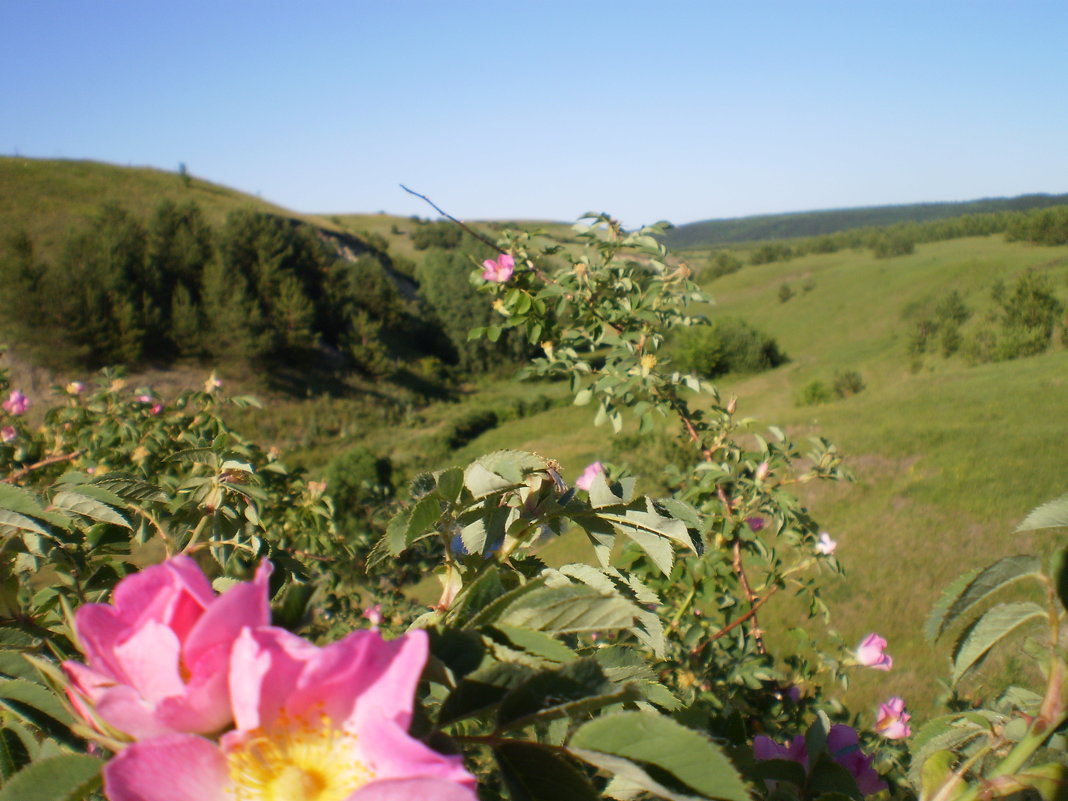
column 48, row 197
column 713, row 233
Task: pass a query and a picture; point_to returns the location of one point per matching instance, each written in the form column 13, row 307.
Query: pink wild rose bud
column 310, row 723
column 16, row 403
column 762, row 471
column 871, row 653
column 893, row 721
column 585, row 481
column 75, row 388
column 498, row 271
column 156, row 408
column 374, row 615
column 8, row 433
column 825, row 546
column 755, row 523
column 157, row 658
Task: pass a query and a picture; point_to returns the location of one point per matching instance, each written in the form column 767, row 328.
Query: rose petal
column 176, row 767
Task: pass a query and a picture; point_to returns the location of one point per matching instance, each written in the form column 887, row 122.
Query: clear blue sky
column 497, row 109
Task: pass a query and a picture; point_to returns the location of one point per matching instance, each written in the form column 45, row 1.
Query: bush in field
column 722, row 263
column 888, row 245
column 726, row 345
column 786, row 292
column 847, row 382
column 814, row 393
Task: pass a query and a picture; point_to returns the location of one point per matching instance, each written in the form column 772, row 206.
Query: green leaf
column 500, row 470
column 989, row 580
column 70, row 777
column 77, row 503
column 659, row 741
column 534, row 773
column 450, row 484
column 423, row 517
column 569, row 609
column 578, row 687
column 827, row 777
column 583, row 396
column 19, row 500
column 933, row 626
column 32, row 694
column 13, row 754
column 1059, row 572
column 538, row 643
column 1049, row 515
column 998, row 622
column 936, row 769
column 20, row 521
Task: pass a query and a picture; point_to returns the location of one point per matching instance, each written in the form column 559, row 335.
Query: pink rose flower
column 825, row 545
column 144, row 398
column 75, row 388
column 844, row 746
column 157, row 658
column 766, row 748
column 16, row 403
column 585, row 481
column 755, row 523
column 374, row 615
column 324, row 723
column 871, row 654
column 156, row 408
column 8, row 433
column 500, row 270
column 893, row 721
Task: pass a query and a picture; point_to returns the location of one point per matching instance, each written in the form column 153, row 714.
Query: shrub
column 847, row 382
column 785, row 292
column 723, row 263
column 728, row 345
column 814, row 393
column 444, row 235
column 887, row 245
column 356, row 477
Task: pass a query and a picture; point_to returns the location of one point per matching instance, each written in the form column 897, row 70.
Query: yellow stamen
column 297, row 761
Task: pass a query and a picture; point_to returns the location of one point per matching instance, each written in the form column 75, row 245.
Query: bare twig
column 446, row 214
column 25, row 471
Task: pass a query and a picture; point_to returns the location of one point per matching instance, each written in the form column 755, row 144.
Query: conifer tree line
column 124, row 289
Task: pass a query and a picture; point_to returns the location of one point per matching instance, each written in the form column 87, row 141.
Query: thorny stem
column 445, row 214
column 63, row 457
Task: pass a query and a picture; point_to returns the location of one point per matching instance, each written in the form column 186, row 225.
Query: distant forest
column 713, row 233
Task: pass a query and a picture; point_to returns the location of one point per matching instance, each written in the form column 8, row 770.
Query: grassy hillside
column 48, row 197
column 712, row 233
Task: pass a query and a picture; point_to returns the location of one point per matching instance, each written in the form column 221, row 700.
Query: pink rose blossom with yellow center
column 893, row 721
column 499, row 270
column 312, row 724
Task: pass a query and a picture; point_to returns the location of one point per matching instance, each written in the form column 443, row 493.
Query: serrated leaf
column 534, row 773
column 936, row 769
column 19, row 500
column 77, row 503
column 989, row 580
column 997, row 623
column 934, row 624
column 69, row 777
column 450, row 483
column 657, row 740
column 423, row 517
column 20, row 521
column 13, row 754
column 538, row 643
column 1049, row 515
column 569, row 609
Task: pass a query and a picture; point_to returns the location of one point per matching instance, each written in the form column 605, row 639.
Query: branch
column 63, row 457
column 446, row 214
